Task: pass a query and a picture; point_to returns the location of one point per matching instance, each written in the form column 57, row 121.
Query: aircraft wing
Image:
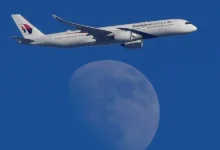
column 143, row 34
column 83, row 28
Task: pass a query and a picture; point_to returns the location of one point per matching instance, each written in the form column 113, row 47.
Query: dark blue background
column 184, row 70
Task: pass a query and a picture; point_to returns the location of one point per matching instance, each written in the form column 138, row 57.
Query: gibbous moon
column 115, row 106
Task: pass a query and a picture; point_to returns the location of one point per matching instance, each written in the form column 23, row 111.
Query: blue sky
column 184, row 71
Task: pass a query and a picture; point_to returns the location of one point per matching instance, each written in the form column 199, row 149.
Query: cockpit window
column 187, row 23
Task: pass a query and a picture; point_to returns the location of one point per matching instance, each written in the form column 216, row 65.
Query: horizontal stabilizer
column 22, row 40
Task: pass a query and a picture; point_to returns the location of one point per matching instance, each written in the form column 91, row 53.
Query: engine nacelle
column 124, row 36
column 133, row 44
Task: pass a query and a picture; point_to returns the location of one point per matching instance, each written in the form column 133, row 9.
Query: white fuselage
column 140, row 31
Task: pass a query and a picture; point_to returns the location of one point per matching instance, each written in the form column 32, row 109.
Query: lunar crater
column 116, row 103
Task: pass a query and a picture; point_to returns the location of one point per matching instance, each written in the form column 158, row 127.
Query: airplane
column 130, row 36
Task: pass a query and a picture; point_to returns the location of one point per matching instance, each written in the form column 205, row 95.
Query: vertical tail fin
column 26, row 28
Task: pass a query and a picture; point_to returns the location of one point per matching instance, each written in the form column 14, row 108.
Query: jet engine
column 124, row 36
column 133, row 44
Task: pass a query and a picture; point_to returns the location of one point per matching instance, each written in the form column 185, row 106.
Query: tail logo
column 26, row 28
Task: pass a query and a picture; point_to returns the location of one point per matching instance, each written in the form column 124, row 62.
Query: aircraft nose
column 194, row 28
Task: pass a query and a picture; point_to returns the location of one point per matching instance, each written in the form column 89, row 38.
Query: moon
column 114, row 106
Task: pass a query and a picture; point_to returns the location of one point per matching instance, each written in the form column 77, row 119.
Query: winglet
column 56, row 17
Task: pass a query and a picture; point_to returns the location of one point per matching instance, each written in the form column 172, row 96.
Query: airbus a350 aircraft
column 127, row 35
